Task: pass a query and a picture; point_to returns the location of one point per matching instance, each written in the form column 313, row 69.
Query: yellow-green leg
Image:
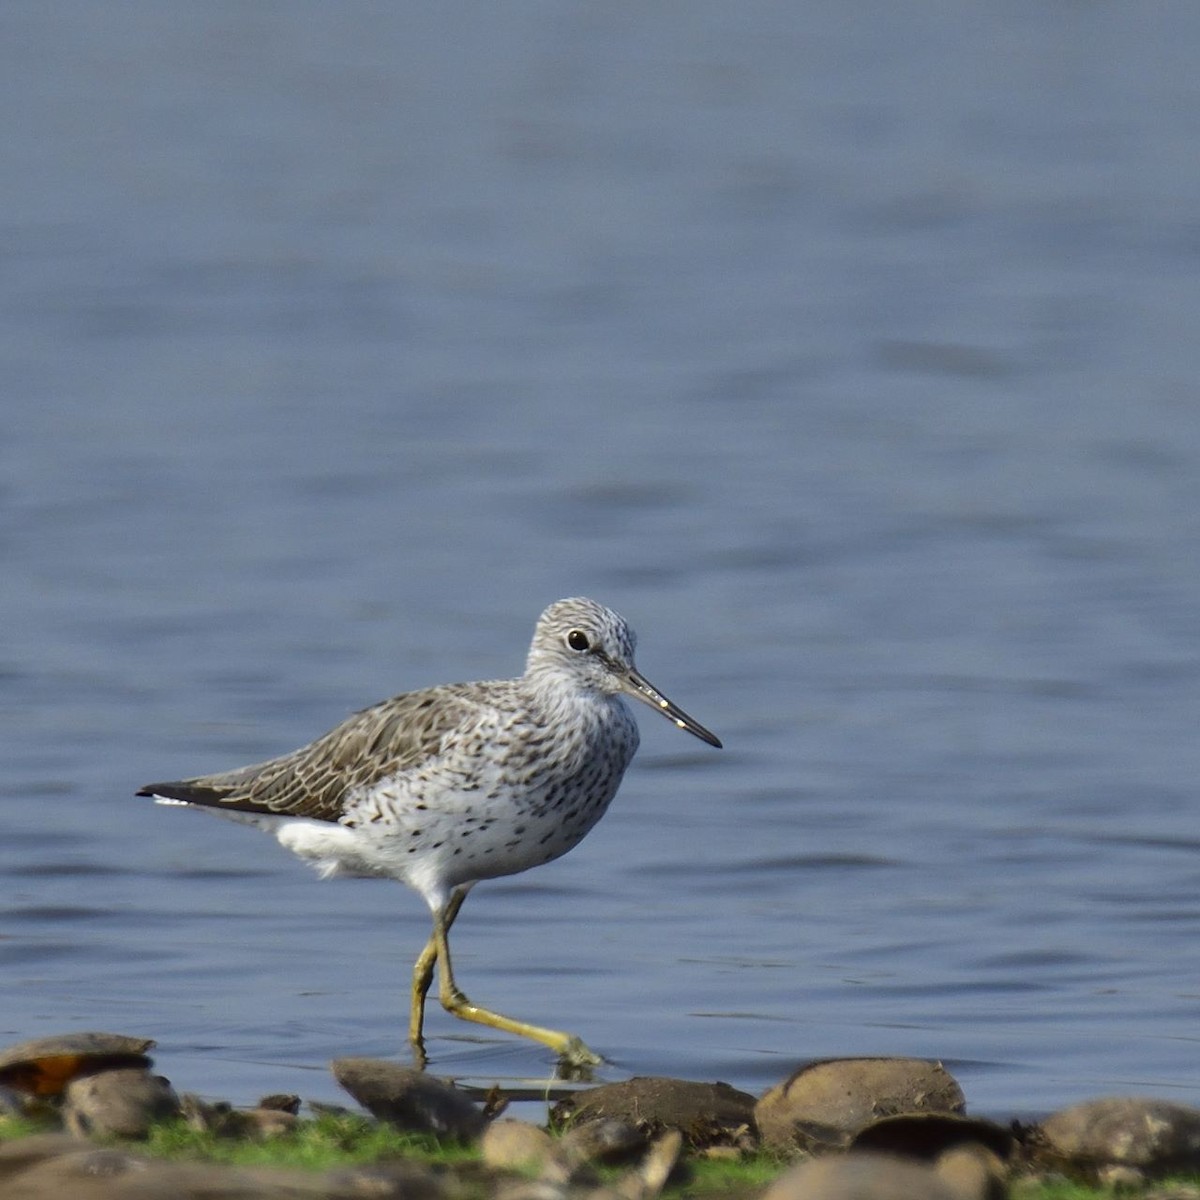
column 423, row 977
column 567, row 1046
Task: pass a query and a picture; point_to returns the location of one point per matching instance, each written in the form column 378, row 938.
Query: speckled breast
column 512, row 798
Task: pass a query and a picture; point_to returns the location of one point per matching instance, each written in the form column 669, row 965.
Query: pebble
column 870, row 1176
column 409, row 1099
column 509, row 1145
column 824, row 1104
column 124, row 1103
column 1120, row 1137
column 706, row 1114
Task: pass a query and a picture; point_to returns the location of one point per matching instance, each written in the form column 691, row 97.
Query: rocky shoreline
column 891, row 1128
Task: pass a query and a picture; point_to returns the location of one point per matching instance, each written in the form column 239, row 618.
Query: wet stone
column 825, row 1104
column 1113, row 1137
column 706, row 1114
column 44, row 1066
column 409, row 1099
column 122, row 1103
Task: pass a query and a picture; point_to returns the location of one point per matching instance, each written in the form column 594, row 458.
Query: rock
column 859, row 1177
column 974, row 1171
column 384, row 1181
column 607, row 1141
column 122, row 1103
column 263, row 1123
column 870, row 1176
column 281, row 1102
column 221, row 1119
column 54, row 1167
column 77, row 1175
column 644, row 1182
column 61, row 1167
column 409, row 1099
column 44, row 1066
column 926, row 1135
column 1128, row 1179
column 509, row 1145
column 704, row 1113
column 648, row 1180
column 824, row 1104
column 1100, row 1137
column 19, row 1154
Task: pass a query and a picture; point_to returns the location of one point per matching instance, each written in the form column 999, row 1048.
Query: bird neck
column 564, row 696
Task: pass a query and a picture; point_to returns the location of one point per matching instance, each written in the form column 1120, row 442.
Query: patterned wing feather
column 313, row 781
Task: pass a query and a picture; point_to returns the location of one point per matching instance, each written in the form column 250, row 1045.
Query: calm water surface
column 850, row 352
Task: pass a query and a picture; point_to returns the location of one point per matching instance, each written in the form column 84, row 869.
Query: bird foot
column 574, row 1057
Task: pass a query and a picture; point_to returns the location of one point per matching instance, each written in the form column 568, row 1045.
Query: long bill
column 640, row 688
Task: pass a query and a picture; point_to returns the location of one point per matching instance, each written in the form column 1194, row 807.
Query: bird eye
column 578, row 640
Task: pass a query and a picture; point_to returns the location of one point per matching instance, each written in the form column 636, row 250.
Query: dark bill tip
column 641, row 689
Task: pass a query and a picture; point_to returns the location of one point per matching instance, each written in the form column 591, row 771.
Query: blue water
column 850, row 351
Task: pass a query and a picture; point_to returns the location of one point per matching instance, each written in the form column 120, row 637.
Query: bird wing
column 315, row 780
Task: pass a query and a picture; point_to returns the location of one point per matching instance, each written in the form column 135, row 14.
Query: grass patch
column 321, row 1144
column 15, row 1127
column 728, row 1177
column 329, row 1142
column 1067, row 1189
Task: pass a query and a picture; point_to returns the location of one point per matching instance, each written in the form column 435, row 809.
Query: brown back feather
column 313, row 781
